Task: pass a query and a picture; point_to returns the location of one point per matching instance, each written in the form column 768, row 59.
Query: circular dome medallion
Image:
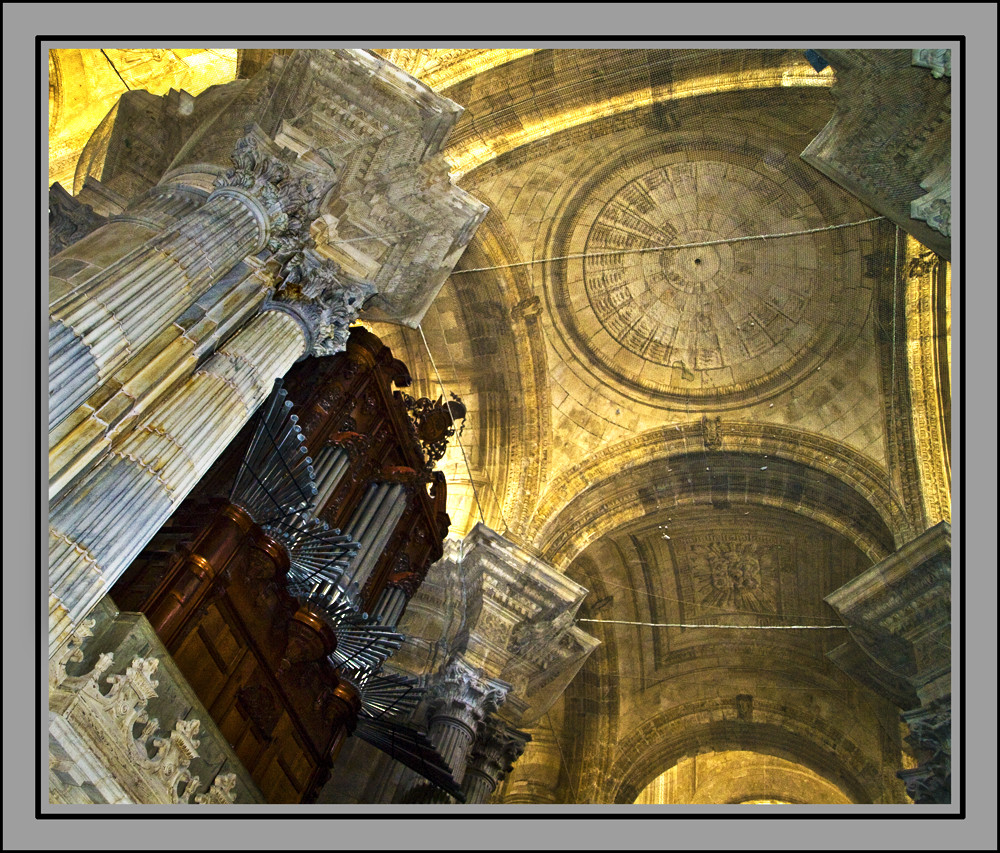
column 719, row 319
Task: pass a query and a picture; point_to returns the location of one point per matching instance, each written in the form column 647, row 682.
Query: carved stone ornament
column 69, row 219
column 925, row 263
column 324, row 300
column 711, row 432
column 497, row 747
column 465, row 693
column 930, row 735
column 937, row 59
column 292, row 203
column 111, row 718
column 934, row 207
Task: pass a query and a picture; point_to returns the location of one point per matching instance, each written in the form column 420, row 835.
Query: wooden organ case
column 215, row 583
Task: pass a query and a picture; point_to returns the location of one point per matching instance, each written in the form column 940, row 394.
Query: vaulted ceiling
column 670, row 333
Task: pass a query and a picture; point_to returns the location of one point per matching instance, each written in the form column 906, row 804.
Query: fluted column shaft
column 96, row 327
column 100, row 526
column 453, row 737
column 460, row 700
column 491, row 758
column 138, row 386
column 145, row 219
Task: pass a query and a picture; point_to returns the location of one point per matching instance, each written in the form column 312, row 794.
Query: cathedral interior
column 634, row 370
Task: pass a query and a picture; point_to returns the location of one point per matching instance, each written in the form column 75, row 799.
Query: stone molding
column 102, row 725
column 899, row 612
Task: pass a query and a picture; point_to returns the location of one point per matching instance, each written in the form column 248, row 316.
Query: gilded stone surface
column 723, row 432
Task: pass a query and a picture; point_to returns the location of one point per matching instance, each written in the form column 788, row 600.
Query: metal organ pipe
column 390, row 605
column 330, row 464
column 373, row 524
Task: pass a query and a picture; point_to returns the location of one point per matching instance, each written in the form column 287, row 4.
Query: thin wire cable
column 458, row 441
column 727, row 627
column 116, row 70
column 562, row 758
column 701, row 605
column 892, row 358
column 616, row 252
column 486, row 477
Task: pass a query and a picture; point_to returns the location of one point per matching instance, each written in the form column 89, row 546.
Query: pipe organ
column 278, row 583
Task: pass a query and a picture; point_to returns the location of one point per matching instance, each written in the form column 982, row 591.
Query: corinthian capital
column 323, row 299
column 465, row 693
column 497, row 747
column 288, row 194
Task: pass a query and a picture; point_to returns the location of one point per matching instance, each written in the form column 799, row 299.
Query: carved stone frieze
column 102, row 724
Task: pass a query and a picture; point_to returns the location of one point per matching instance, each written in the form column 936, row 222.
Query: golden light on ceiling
column 441, row 68
column 463, row 159
column 85, row 84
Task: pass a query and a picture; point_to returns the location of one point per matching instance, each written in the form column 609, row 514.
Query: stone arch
column 709, row 726
column 494, row 246
column 733, row 777
column 612, row 487
column 654, row 81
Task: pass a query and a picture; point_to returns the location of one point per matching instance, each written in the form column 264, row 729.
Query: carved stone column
column 79, row 441
column 96, row 326
column 98, row 528
column 492, row 757
column 460, row 699
column 899, row 616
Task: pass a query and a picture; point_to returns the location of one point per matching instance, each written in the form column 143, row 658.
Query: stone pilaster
column 99, row 527
column 899, row 615
column 491, row 758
